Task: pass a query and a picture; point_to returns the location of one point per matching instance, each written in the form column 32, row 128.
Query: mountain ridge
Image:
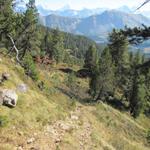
column 97, row 26
column 86, row 12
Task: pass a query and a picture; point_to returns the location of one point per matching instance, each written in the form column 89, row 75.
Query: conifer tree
column 46, row 43
column 102, row 82
column 7, row 22
column 137, row 101
column 138, row 59
column 147, row 83
column 91, row 58
column 57, row 47
column 30, row 67
column 135, row 60
column 118, row 45
column 30, row 38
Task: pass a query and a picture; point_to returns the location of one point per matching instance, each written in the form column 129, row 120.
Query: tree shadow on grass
column 85, row 99
column 67, row 70
column 82, row 98
column 69, row 93
column 117, row 104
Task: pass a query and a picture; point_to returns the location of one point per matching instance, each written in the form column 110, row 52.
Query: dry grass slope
column 96, row 127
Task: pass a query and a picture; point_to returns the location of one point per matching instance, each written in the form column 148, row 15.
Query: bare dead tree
column 14, row 48
column 142, row 4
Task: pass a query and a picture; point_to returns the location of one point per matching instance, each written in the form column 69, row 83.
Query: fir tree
column 57, row 47
column 91, row 58
column 7, row 22
column 102, row 82
column 118, row 45
column 30, row 67
column 29, row 38
column 137, row 101
column 46, row 43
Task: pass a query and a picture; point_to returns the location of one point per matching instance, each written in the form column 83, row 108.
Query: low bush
column 30, row 68
column 148, row 136
column 3, row 121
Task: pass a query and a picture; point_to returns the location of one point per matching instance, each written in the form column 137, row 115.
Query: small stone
column 58, row 140
column 5, row 76
column 20, row 133
column 73, row 117
column 35, row 134
column 65, row 127
column 22, row 88
column 34, row 148
column 31, row 140
column 20, row 148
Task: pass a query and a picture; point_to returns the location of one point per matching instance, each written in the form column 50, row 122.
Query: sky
column 80, row 4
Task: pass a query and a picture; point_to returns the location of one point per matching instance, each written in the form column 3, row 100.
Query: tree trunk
column 15, row 48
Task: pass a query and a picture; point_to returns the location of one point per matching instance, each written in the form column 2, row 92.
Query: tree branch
column 15, row 48
column 143, row 4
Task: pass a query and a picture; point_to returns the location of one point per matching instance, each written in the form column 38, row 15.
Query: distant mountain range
column 66, row 11
column 70, row 12
column 97, row 26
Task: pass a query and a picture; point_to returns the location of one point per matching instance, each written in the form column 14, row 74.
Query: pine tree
column 102, row 82
column 91, row 58
column 30, row 67
column 147, row 83
column 137, row 101
column 7, row 22
column 57, row 47
column 137, row 34
column 118, row 45
column 135, row 60
column 30, row 38
column 138, row 59
column 46, row 43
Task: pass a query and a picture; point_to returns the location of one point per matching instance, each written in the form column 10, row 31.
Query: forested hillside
column 63, row 91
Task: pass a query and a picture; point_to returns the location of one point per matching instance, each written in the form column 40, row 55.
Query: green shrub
column 148, row 136
column 3, row 121
column 71, row 80
column 30, row 68
column 3, row 50
column 72, row 104
column 55, row 79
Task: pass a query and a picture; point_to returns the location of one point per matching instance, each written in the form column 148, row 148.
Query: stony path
column 71, row 124
column 76, row 125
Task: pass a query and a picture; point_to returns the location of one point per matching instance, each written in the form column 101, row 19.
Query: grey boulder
column 8, row 98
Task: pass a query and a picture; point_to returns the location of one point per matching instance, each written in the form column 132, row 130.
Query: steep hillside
column 57, row 118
